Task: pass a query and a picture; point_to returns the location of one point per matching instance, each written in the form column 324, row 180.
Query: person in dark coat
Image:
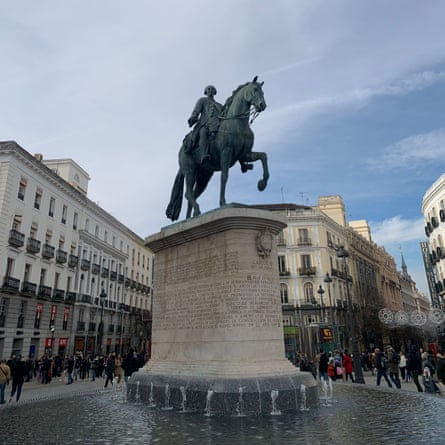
column 414, row 366
column 18, row 373
column 109, row 369
column 129, row 365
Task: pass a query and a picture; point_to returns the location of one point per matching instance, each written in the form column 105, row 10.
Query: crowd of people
column 392, row 365
column 72, row 368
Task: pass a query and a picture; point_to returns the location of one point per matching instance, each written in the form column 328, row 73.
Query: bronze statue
column 205, row 115
column 232, row 142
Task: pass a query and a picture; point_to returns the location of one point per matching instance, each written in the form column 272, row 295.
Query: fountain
column 151, row 403
column 325, row 390
column 208, row 408
column 184, row 399
column 303, row 404
column 217, row 319
column 137, row 396
column 240, row 410
column 274, row 396
column 167, row 405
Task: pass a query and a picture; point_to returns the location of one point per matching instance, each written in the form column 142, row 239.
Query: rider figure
column 205, row 116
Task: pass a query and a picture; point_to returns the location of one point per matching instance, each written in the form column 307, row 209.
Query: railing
column 70, row 297
column 284, row 273
column 58, row 294
column 84, row 298
column 91, row 327
column 44, row 292
column 73, row 261
column 307, row 270
column 29, row 289
column 304, row 242
column 61, row 256
column 33, row 245
column 95, row 268
column 16, row 238
column 105, row 272
column 48, row 251
column 113, row 275
column 80, row 326
column 11, row 284
column 85, row 264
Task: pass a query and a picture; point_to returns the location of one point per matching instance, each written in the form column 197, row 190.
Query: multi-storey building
column 433, row 210
column 75, row 279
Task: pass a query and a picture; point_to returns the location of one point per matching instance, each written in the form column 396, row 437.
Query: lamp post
column 53, row 330
column 100, row 332
column 343, row 254
column 328, row 281
column 320, row 292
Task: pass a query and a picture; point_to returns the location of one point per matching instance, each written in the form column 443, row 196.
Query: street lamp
column 342, row 253
column 53, row 330
column 328, row 281
column 320, row 292
column 100, row 333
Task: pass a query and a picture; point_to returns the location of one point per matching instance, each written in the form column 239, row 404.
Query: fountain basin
column 222, row 395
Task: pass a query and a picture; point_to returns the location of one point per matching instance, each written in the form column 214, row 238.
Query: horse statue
column 232, row 143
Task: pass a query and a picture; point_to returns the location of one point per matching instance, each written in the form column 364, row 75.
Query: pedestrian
column 109, row 370
column 118, row 368
column 5, row 376
column 428, row 382
column 69, row 370
column 394, row 361
column 402, row 366
column 18, row 377
column 93, row 366
column 348, row 366
column 323, row 366
column 382, row 365
column 414, row 366
column 129, row 365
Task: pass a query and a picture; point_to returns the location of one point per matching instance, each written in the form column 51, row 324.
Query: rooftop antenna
column 303, row 200
column 282, row 195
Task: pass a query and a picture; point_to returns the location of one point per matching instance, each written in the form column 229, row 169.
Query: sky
column 355, row 96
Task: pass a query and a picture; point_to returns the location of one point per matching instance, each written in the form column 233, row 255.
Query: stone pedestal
column 217, row 339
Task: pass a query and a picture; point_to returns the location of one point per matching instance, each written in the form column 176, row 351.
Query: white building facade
column 75, row 279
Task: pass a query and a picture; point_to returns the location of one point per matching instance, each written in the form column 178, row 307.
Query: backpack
column 395, row 358
column 384, row 363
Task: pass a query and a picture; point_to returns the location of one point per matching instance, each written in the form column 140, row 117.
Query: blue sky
column 355, row 94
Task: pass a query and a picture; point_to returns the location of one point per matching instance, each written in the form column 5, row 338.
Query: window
column 52, row 205
column 38, row 198
column 38, row 314
column 66, row 313
column 106, row 236
column 309, row 293
column 284, row 294
column 75, row 220
column 303, row 236
column 305, row 261
column 21, row 316
column 56, row 280
column 42, row 277
column 3, row 309
column 87, row 224
column 96, row 231
column 282, row 264
column 9, row 267
column 22, row 189
column 64, row 213
column 27, row 274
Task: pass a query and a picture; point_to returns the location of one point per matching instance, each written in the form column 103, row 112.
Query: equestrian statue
column 221, row 137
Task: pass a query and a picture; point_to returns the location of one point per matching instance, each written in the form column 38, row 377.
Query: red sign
column 118, row 341
column 49, row 342
column 39, row 308
column 63, row 341
column 66, row 313
column 326, row 334
column 53, row 309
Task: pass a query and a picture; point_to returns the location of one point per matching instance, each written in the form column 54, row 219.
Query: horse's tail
column 175, row 204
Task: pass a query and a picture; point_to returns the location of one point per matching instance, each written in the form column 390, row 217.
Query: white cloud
column 407, row 152
column 396, row 231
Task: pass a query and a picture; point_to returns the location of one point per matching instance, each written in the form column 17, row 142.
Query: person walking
column 402, row 367
column 109, row 370
column 414, row 366
column 381, row 365
column 323, row 366
column 348, row 366
column 5, row 376
column 394, row 361
column 18, row 377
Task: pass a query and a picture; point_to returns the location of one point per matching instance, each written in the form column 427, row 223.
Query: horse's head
column 253, row 93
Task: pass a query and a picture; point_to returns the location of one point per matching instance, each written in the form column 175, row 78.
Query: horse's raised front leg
column 255, row 156
column 225, row 158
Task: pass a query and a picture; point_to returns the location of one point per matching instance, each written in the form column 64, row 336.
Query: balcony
column 105, row 272
column 307, row 270
column 58, row 295
column 48, row 252
column 133, row 284
column 95, row 268
column 33, row 245
column 85, row 264
column 127, row 282
column 304, row 241
column 110, row 328
column 16, row 238
column 284, row 273
column 70, row 297
column 120, row 278
column 61, row 256
column 44, row 292
column 84, row 298
column 113, row 276
column 80, row 326
column 11, row 284
column 91, row 327
column 73, row 261
column 29, row 289
column 122, row 306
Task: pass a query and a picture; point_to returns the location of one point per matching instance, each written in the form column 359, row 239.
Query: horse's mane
column 229, row 100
